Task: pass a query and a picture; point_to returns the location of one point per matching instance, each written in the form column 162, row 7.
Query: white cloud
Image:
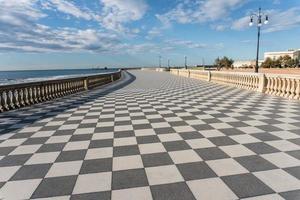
column 278, row 20
column 118, row 12
column 199, row 11
column 67, row 7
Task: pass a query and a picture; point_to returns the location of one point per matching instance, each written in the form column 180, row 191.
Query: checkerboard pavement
column 158, row 137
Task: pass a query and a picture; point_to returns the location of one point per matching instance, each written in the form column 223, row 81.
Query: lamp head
column 251, row 21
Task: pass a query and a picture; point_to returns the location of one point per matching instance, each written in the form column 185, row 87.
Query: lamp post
column 168, row 63
column 259, row 17
column 185, row 62
column 159, row 61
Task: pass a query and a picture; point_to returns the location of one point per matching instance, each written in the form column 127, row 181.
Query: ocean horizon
column 25, row 76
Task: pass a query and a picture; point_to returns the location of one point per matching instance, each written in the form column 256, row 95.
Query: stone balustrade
column 286, row 86
column 25, row 94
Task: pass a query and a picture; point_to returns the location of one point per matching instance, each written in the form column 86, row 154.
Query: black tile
column 101, row 143
column 147, row 139
column 211, row 153
column 191, row 135
column 222, row 141
column 165, row 130
column 156, row 159
column 126, row 150
column 14, row 160
column 176, row 145
column 65, row 156
column 294, row 171
column 246, row 185
column 92, row 196
column 173, row 191
column 291, row 195
column 57, row 186
column 195, row 170
column 31, row 172
column 255, row 163
column 82, row 137
column 129, row 178
column 265, row 136
column 51, row 147
column 96, row 166
column 121, row 134
column 261, row 148
column 232, row 131
column 40, row 140
column 6, row 150
column 295, row 154
column 202, row 127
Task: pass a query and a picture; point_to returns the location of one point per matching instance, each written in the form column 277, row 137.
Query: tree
column 224, row 62
column 286, row 61
column 267, row 63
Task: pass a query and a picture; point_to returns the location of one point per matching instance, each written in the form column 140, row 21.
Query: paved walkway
column 154, row 136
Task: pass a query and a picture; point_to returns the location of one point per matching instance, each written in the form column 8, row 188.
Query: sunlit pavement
column 153, row 136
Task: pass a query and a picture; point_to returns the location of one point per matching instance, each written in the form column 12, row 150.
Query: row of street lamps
column 160, row 57
column 261, row 19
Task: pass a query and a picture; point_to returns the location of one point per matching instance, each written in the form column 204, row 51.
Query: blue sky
column 59, row 34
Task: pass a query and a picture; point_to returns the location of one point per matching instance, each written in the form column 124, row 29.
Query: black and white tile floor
column 156, row 136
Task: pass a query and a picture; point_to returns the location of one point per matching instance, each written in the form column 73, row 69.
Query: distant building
column 243, row 63
column 294, row 54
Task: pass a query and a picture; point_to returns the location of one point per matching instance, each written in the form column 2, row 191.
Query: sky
column 61, row 34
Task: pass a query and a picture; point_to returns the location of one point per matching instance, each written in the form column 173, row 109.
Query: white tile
column 200, row 143
column 144, row 132
column 244, row 139
column 26, row 149
column 81, row 131
column 281, row 160
column 7, row 172
column 12, row 142
column 123, row 128
column 182, row 129
column 285, row 135
column 140, row 193
column 30, row 129
column 236, row 150
column 40, row 158
column 125, row 141
column 279, row 180
column 211, row 133
column 163, row 174
column 43, row 134
column 64, row 169
column 19, row 189
column 283, row 145
column 58, row 139
column 77, row 145
column 97, row 153
column 250, row 130
column 184, row 156
column 169, row 137
column 211, row 189
column 101, row 136
column 226, row 167
column 96, row 182
column 127, row 162
column 220, row 125
column 151, row 148
column 68, row 127
column 266, row 197
column 160, row 125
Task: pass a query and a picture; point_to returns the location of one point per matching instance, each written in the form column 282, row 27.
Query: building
column 294, row 54
column 243, row 63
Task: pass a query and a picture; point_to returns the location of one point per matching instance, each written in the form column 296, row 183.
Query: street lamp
column 168, row 63
column 185, row 62
column 259, row 17
column 159, row 61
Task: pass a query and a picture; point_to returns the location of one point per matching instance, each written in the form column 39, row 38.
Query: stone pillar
column 208, row 76
column 262, row 83
column 86, row 85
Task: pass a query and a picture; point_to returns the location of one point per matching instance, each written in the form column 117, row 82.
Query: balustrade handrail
column 24, row 94
column 284, row 85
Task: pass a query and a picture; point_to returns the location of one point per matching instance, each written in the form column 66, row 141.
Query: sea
column 14, row 77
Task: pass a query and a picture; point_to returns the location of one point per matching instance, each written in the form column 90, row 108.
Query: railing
column 287, row 86
column 25, row 94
